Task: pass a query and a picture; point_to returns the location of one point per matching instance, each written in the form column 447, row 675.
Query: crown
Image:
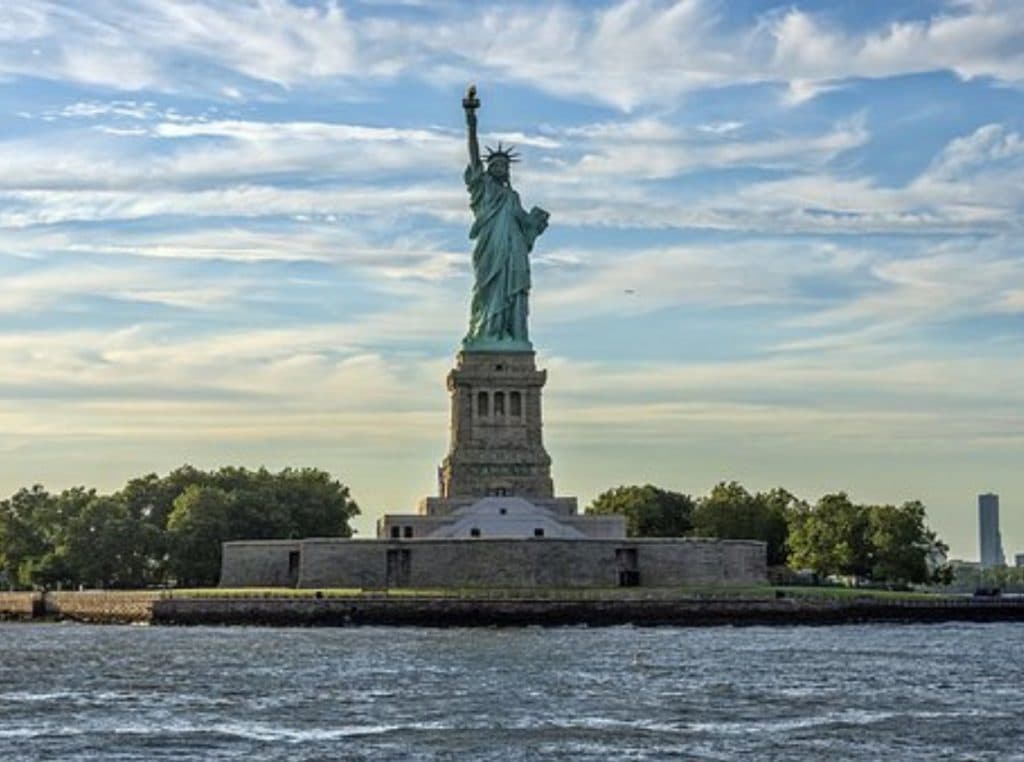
column 504, row 152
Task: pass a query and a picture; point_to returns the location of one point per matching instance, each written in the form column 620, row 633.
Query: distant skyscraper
column 1019, row 558
column 988, row 526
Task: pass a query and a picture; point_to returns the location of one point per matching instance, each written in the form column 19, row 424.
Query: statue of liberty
column 504, row 233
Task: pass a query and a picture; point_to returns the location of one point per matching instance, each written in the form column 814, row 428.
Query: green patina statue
column 504, row 233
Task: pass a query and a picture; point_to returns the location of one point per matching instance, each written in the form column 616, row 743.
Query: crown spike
column 504, row 152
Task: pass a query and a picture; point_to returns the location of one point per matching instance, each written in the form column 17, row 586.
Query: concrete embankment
column 382, row 609
column 100, row 606
column 20, row 606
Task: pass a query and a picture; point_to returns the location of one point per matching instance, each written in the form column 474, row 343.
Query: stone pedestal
column 495, row 446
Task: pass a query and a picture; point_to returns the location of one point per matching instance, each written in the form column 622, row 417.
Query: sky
column 784, row 246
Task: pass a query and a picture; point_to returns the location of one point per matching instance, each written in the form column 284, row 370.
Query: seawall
column 20, row 606
column 486, row 611
column 664, row 608
column 100, row 606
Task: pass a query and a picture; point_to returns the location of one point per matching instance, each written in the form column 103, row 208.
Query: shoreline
column 308, row 608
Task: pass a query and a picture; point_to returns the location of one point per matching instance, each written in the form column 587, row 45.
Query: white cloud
column 139, row 44
column 46, row 287
column 976, row 38
column 218, row 151
column 633, row 156
column 93, row 109
column 718, row 128
column 625, row 54
column 942, row 284
column 802, row 90
column 599, row 176
column 991, row 147
column 28, row 208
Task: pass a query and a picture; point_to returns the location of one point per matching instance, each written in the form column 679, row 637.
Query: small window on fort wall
column 481, row 405
column 515, row 404
column 474, row 532
column 499, row 403
column 407, row 531
column 538, row 532
column 396, row 532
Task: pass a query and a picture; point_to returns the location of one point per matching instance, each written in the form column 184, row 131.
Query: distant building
column 1019, row 560
column 991, row 540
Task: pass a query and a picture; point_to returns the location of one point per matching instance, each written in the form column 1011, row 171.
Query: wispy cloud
column 625, row 54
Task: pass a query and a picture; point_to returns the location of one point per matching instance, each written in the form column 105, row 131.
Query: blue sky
column 785, row 242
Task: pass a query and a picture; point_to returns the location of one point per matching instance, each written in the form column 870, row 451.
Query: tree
column 731, row 512
column 649, row 510
column 22, row 540
column 128, row 539
column 198, row 524
column 902, row 544
column 97, row 550
column 831, row 538
column 317, row 504
column 883, row 543
column 34, row 524
column 149, row 501
column 289, row 504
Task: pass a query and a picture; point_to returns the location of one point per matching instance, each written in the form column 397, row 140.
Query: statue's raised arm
column 470, row 104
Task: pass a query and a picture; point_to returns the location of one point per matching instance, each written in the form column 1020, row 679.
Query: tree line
column 833, row 536
column 167, row 530
column 161, row 530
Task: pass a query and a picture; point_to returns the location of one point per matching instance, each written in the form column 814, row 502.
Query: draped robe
column 504, row 233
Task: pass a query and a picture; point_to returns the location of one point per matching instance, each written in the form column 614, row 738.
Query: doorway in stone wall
column 628, row 567
column 398, row 566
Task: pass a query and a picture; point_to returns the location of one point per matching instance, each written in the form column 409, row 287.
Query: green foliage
column 831, row 537
column 879, row 543
column 874, row 542
column 162, row 530
column 199, row 522
column 731, row 512
column 901, row 542
column 23, row 519
column 649, row 511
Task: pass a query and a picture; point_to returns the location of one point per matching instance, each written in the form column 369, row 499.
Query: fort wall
column 495, row 563
column 260, row 563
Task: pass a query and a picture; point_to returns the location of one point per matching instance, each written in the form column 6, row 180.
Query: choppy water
column 872, row 692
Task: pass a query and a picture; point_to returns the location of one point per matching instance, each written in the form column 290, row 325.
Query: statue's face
column 498, row 168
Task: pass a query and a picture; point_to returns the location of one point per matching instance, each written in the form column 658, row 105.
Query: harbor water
column 899, row 692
